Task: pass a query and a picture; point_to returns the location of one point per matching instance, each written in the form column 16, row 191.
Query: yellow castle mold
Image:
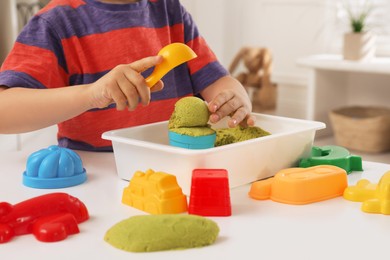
column 155, row 193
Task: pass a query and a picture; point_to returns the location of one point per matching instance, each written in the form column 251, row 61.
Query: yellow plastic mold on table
column 302, row 185
column 375, row 197
column 155, row 193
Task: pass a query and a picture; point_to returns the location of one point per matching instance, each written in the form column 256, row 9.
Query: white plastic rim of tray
column 143, row 135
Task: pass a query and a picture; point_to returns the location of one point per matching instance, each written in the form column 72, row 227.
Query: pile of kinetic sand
column 190, row 117
column 148, row 233
column 238, row 134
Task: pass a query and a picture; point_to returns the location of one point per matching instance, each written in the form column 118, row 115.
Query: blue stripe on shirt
column 12, row 78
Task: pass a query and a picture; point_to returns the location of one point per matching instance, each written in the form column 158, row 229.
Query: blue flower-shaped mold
column 54, row 167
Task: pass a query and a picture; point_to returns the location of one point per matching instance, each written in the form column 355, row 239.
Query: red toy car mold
column 51, row 217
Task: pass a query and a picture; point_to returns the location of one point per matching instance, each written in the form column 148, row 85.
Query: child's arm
column 23, row 109
column 227, row 97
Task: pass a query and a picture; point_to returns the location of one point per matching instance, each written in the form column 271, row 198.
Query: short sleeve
column 36, row 59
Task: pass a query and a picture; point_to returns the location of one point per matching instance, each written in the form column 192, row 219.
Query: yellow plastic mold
column 375, row 197
column 302, row 185
column 155, row 193
column 173, row 55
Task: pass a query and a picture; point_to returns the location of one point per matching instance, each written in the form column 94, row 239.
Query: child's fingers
column 125, row 85
column 237, row 117
column 223, row 105
column 138, row 89
column 227, row 103
column 249, row 120
column 139, row 82
column 118, row 97
column 219, row 100
column 146, row 63
column 158, row 86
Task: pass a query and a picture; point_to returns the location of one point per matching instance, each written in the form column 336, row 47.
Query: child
column 82, row 64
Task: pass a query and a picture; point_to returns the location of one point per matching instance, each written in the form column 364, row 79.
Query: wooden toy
column 257, row 75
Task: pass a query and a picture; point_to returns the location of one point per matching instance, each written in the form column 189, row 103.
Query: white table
column 333, row 81
column 331, row 229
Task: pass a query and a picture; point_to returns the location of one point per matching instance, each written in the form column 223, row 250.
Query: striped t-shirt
column 72, row 42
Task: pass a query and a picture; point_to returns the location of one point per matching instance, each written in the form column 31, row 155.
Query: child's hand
column 234, row 104
column 125, row 86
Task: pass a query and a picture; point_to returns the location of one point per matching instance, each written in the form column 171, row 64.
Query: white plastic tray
column 146, row 147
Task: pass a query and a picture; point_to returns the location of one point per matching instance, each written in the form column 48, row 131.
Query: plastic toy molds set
column 325, row 180
column 159, row 193
column 321, row 176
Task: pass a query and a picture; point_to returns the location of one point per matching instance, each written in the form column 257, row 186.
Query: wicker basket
column 365, row 129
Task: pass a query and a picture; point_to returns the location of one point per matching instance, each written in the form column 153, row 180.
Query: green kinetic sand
column 189, row 112
column 238, row 134
column 190, row 117
column 148, row 233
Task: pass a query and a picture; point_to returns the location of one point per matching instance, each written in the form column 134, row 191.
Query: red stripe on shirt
column 86, row 128
column 101, row 52
column 55, row 77
column 56, row 3
column 205, row 55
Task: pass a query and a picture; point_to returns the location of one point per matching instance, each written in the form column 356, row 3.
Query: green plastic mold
column 332, row 155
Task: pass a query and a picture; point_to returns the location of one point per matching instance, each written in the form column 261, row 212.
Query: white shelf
column 334, row 82
column 380, row 65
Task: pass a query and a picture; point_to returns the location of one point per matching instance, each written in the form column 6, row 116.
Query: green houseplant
column 358, row 20
column 359, row 43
